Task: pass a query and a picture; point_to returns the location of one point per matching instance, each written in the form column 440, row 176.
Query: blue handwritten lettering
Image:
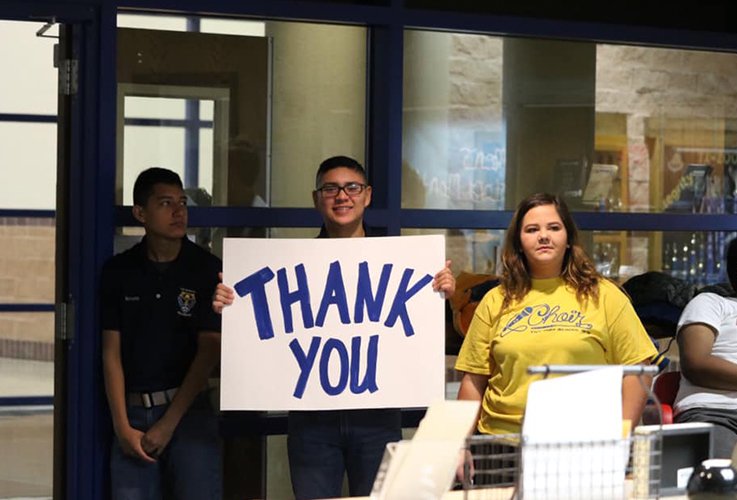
column 334, row 294
column 305, row 362
column 301, row 295
column 369, row 379
column 349, row 367
column 333, row 345
column 255, row 285
column 399, row 306
column 364, row 295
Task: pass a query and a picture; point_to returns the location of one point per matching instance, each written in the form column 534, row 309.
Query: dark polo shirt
column 158, row 311
column 369, row 231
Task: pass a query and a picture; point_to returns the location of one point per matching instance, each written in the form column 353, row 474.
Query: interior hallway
column 26, row 433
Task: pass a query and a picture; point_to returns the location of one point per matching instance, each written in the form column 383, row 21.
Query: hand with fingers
column 444, row 280
column 130, row 440
column 155, row 440
column 223, row 296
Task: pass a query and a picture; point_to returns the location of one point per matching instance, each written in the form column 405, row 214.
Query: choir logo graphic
column 544, row 317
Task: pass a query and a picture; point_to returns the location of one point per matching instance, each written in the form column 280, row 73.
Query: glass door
column 28, row 139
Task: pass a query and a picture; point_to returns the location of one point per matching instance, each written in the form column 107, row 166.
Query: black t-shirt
column 368, row 231
column 159, row 311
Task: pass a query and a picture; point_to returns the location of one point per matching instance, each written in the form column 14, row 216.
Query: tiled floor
column 26, row 434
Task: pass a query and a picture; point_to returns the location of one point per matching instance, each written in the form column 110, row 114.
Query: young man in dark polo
column 160, row 343
column 324, row 445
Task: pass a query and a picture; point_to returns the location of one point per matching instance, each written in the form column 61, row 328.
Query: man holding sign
column 323, row 445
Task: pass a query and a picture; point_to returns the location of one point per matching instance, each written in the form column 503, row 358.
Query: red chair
column 665, row 388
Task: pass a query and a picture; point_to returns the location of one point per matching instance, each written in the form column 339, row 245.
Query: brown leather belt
column 151, row 399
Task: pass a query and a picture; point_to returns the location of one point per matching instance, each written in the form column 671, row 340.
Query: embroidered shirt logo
column 186, row 300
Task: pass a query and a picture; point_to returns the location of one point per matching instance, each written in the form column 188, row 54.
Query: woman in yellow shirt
column 551, row 307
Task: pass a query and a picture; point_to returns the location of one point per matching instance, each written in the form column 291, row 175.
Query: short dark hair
column 337, row 162
column 144, row 186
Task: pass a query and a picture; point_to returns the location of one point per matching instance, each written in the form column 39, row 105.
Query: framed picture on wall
column 570, row 176
column 599, row 185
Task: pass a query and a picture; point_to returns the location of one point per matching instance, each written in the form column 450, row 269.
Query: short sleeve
column 209, row 320
column 474, row 356
column 630, row 343
column 704, row 308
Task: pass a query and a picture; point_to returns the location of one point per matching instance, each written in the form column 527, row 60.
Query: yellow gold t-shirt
column 551, row 327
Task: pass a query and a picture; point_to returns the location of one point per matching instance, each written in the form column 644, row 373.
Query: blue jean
column 323, row 445
column 189, row 468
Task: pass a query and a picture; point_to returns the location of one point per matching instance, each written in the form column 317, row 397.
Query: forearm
column 634, row 396
column 115, row 387
column 205, row 360
column 472, row 388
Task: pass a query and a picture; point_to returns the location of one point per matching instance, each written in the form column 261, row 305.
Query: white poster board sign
column 332, row 323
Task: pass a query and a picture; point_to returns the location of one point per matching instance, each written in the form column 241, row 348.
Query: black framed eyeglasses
column 332, row 190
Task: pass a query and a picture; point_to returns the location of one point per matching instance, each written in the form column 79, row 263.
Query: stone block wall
column 27, row 276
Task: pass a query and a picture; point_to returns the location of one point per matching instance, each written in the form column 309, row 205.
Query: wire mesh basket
column 505, row 467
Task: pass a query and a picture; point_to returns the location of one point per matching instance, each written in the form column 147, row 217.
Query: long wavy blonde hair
column 578, row 271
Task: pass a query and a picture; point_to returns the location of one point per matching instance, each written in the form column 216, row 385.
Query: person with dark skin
column 324, row 445
column 707, row 343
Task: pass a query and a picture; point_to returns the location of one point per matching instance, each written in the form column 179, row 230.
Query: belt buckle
column 147, row 400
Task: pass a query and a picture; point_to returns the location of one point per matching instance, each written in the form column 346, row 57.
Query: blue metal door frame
column 86, row 206
column 91, row 211
column 90, row 231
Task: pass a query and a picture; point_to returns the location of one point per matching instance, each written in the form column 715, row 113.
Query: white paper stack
column 572, row 434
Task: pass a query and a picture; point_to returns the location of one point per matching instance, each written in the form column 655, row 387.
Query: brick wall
column 27, row 276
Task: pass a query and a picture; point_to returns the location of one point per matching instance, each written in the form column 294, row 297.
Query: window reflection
column 256, row 104
column 694, row 257
column 488, row 120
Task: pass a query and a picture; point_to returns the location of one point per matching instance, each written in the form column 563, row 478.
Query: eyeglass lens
column 350, row 189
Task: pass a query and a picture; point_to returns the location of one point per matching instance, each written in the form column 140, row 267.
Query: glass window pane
column 207, row 110
column 154, row 107
column 471, row 250
column 489, row 120
column 155, row 22
column 27, row 260
column 150, row 147
column 319, row 94
column 211, row 90
column 26, row 438
column 694, row 257
column 211, row 238
column 30, row 87
column 279, row 97
column 454, row 139
column 26, row 432
column 205, row 168
column 26, row 377
column 28, row 156
column 239, row 27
